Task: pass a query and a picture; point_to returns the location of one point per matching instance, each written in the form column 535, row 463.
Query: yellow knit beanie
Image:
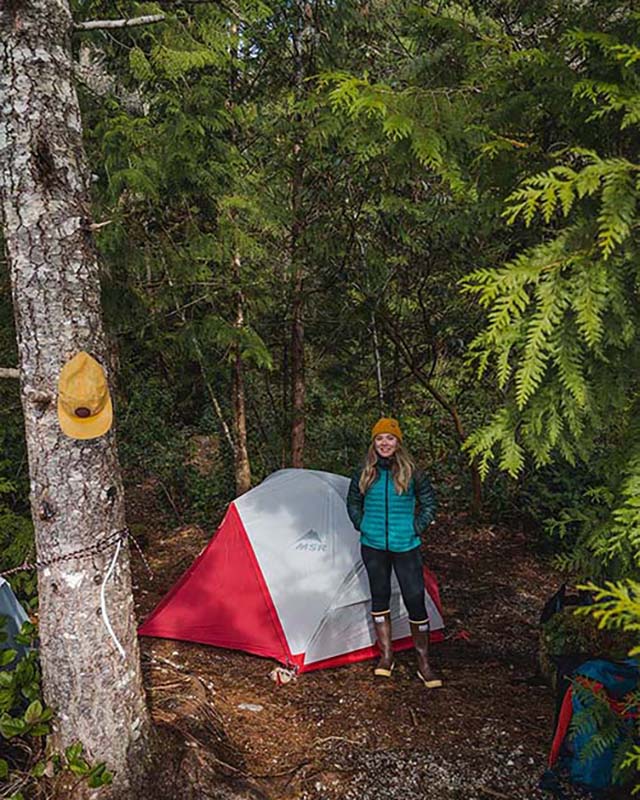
column 387, row 425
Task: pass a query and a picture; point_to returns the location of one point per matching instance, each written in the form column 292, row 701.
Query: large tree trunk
column 76, row 489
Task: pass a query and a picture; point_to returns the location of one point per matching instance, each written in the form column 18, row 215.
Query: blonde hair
column 401, row 470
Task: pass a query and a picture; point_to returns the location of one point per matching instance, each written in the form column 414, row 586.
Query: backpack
column 575, row 748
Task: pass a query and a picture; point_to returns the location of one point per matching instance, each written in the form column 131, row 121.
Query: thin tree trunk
column 376, row 355
column 285, row 402
column 212, row 395
column 242, row 463
column 298, row 387
column 76, row 489
column 391, row 390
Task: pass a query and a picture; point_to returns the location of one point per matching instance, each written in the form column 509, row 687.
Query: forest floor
column 341, row 733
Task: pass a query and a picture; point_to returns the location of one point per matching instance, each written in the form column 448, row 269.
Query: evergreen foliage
column 458, row 185
column 562, row 315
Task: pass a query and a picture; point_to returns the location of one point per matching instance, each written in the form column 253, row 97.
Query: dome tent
column 282, row 577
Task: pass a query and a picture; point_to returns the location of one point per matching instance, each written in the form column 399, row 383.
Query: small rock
column 250, row 707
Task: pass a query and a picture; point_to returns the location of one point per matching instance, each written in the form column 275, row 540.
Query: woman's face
column 386, row 444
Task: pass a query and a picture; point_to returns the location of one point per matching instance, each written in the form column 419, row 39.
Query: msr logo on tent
column 311, row 541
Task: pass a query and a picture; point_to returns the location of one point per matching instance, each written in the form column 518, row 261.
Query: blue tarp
column 14, row 615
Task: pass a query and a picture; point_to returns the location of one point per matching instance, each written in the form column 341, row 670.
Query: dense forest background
column 310, row 214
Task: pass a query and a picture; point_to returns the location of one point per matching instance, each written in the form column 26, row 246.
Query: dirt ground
column 341, row 733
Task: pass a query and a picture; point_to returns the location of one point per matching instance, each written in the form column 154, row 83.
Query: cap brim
column 89, row 427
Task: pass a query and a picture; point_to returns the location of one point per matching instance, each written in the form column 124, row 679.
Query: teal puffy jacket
column 388, row 520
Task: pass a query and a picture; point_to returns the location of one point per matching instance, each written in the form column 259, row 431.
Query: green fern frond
column 610, row 98
column 628, row 54
column 551, row 302
column 140, row 65
column 512, row 453
column 428, row 147
column 617, row 210
column 617, row 604
column 568, row 357
column 397, row 126
column 506, row 309
column 560, row 186
column 480, row 444
column 588, row 292
column 176, row 63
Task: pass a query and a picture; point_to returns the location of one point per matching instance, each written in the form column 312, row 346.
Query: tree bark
column 298, row 386
column 376, row 356
column 284, row 461
column 243, row 466
column 76, row 489
column 242, row 463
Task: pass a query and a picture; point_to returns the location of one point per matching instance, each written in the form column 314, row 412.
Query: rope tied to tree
column 114, row 539
column 97, row 547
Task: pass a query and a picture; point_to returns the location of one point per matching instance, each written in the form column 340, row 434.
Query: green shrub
column 25, row 721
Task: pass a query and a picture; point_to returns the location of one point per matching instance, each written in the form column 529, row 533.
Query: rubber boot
column 420, row 634
column 385, row 665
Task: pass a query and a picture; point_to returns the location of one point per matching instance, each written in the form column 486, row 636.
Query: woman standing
column 391, row 502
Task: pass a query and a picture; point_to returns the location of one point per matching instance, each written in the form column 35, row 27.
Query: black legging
column 408, row 569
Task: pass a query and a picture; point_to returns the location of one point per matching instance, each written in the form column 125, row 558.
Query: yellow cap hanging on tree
column 387, row 425
column 84, row 403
